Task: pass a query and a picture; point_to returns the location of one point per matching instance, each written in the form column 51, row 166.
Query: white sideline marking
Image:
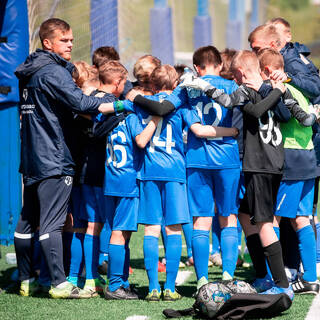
column 182, row 276
column 314, row 311
column 136, row 317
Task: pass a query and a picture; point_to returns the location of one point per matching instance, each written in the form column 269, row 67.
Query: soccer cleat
column 263, row 284
column 69, row 291
column 120, row 294
column 103, row 268
column 181, row 265
column 28, row 288
column 226, row 276
column 95, row 285
column 216, row 259
column 301, row 286
column 153, row 296
column 168, row 295
column 161, row 267
column 278, row 290
column 73, row 280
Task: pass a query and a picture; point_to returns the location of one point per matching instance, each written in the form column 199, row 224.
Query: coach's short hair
column 103, row 55
column 143, row 68
column 164, row 78
column 267, row 32
column 206, row 56
column 270, row 57
column 49, row 26
column 111, row 70
column 246, row 60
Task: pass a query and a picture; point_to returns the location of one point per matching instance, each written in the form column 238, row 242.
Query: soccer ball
column 238, row 286
column 211, row 297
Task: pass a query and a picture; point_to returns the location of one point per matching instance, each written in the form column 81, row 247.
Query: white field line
column 182, row 276
column 136, row 317
column 314, row 311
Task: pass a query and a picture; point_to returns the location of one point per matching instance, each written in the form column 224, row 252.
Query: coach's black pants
column 45, row 206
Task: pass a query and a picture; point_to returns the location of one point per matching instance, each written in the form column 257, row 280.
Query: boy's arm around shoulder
column 144, row 137
column 207, row 131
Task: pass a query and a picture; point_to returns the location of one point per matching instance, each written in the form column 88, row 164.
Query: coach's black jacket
column 48, row 98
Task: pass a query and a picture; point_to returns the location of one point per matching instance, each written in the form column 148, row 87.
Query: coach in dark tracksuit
column 48, row 98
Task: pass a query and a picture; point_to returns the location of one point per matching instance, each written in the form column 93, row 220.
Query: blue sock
column 307, row 248
column 277, row 231
column 91, row 255
column 216, row 235
column 104, row 243
column 76, row 260
column 125, row 277
column 200, row 249
column 187, row 231
column 116, row 263
column 229, row 249
column 164, row 237
column 173, row 255
column 318, row 242
column 151, row 258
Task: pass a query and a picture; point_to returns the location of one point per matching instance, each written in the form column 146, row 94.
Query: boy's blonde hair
column 270, row 57
column 267, row 32
column 279, row 20
column 227, row 55
column 112, row 70
column 245, row 59
column 164, row 77
column 83, row 72
column 143, row 68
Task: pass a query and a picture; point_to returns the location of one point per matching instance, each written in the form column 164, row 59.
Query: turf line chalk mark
column 313, row 313
column 182, row 276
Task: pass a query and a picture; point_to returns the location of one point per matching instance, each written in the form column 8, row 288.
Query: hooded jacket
column 48, row 98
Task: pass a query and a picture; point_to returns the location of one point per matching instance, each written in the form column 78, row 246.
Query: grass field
column 12, row 306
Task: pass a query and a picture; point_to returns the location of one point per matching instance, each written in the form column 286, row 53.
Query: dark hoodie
column 48, row 98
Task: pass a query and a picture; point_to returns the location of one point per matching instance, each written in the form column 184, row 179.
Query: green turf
column 12, row 306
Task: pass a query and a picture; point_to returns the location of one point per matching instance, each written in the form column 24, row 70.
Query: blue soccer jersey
column 164, row 157
column 212, row 153
column 123, row 159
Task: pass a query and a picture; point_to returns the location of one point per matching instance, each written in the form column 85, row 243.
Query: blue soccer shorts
column 163, row 202
column 208, row 188
column 295, row 198
column 93, row 199
column 122, row 212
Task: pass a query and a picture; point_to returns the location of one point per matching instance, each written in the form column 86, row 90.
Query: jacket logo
column 68, row 180
column 25, row 94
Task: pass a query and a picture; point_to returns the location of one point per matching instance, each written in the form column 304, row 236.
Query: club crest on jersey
column 25, row 94
column 68, row 180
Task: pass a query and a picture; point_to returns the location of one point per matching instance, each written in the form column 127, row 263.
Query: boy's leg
column 187, row 232
column 173, row 255
column 225, row 196
column 215, row 255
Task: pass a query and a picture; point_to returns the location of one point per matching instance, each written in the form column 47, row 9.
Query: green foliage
column 292, row 4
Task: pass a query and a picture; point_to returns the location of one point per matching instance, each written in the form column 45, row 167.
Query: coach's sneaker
column 153, row 296
column 301, row 286
column 95, row 285
column 120, row 294
column 29, row 288
column 168, row 295
column 277, row 290
column 263, row 284
column 67, row 290
column 216, row 259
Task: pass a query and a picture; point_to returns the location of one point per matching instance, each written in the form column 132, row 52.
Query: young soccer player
column 296, row 192
column 122, row 199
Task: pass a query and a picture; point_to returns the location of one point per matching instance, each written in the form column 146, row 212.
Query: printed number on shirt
column 161, row 143
column 204, row 110
column 270, row 131
column 113, row 148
